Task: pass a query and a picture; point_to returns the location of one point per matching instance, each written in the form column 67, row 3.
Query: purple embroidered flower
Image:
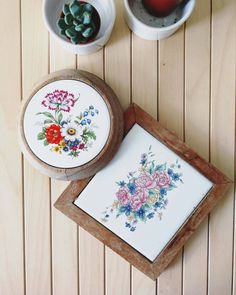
column 59, row 100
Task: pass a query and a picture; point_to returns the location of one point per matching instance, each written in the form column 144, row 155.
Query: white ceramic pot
column 106, row 8
column 150, row 27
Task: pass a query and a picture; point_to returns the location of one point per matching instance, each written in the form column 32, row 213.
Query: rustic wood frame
column 115, row 135
column 221, row 184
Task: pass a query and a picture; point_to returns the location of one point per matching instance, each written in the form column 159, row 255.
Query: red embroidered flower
column 53, row 134
column 81, row 146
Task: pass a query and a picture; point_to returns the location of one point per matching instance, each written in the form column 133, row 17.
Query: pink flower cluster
column 59, row 100
column 143, row 184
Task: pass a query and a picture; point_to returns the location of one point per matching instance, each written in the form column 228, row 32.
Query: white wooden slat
column 222, row 142
column 197, row 101
column 36, row 186
column 11, row 207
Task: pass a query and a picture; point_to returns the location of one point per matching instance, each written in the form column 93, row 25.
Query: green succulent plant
column 77, row 21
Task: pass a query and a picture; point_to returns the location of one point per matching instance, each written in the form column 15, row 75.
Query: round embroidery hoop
column 71, row 125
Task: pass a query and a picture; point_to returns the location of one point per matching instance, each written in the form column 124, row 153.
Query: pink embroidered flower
column 145, row 181
column 162, row 179
column 59, row 100
column 136, row 203
column 142, row 194
column 123, row 196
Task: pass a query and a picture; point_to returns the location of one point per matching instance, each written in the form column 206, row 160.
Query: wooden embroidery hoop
column 115, row 135
column 221, row 184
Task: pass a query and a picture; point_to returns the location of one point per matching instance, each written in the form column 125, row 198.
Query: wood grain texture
column 222, row 143
column 197, row 132
column 64, row 231
column 36, row 186
column 91, row 251
column 11, row 196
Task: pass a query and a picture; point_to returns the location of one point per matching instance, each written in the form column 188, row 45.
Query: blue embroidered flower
column 163, row 191
column 143, row 162
column 85, row 114
column 121, row 183
column 170, row 171
column 150, row 215
column 97, row 112
column 65, row 149
column 89, row 121
column 132, row 187
column 126, row 209
column 175, row 176
column 63, row 123
column 157, row 205
column 127, row 224
column 83, row 122
column 141, row 213
column 92, row 114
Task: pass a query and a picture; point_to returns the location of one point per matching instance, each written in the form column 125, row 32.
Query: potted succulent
column 79, row 22
column 83, row 27
column 156, row 19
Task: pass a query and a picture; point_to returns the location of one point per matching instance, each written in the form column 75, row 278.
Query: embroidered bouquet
column 61, row 132
column 144, row 194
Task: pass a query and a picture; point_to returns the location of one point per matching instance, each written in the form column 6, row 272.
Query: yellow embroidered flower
column 115, row 204
column 57, row 149
column 142, row 169
column 153, row 199
column 62, row 144
column 130, row 217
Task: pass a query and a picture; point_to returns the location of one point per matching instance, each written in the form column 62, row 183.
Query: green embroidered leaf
column 45, row 143
column 160, row 168
column 151, row 168
column 152, row 192
column 47, row 114
column 89, row 134
column 60, row 116
column 171, row 186
column 48, row 121
column 41, row 136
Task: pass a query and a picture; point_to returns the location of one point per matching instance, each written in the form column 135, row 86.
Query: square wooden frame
column 221, row 183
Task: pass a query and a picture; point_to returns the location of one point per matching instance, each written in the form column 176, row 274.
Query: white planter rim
column 162, row 29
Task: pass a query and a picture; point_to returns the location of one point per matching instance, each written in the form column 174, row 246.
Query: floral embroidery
column 144, row 194
column 64, row 133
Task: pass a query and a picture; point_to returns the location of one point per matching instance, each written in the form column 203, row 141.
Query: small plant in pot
column 79, row 22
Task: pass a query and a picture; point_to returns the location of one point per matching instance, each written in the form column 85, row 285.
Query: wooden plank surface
column 11, row 186
column 197, row 132
column 188, row 82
